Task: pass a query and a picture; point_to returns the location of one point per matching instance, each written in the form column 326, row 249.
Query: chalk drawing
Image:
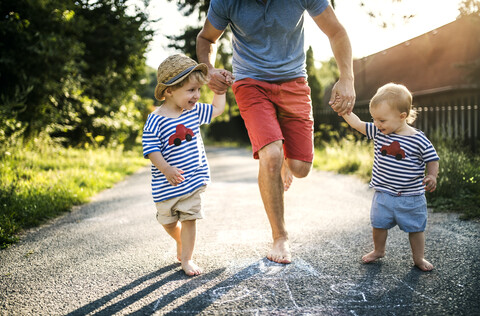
column 270, row 269
column 290, row 294
column 302, row 267
column 413, row 290
column 348, row 289
column 240, row 293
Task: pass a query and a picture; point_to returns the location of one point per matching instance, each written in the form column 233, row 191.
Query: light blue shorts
column 408, row 212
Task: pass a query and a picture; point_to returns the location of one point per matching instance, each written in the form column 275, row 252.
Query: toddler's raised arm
column 218, row 103
column 354, row 121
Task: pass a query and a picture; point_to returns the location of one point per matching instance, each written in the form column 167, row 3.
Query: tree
column 70, row 68
column 110, row 74
column 38, row 68
column 313, row 81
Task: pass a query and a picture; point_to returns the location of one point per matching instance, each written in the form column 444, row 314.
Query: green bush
column 458, row 184
column 43, row 180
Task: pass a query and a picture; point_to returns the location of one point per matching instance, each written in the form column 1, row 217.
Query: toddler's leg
column 417, row 242
column 174, row 230
column 379, row 242
column 188, row 234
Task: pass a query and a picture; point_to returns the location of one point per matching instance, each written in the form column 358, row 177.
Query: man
column 271, row 88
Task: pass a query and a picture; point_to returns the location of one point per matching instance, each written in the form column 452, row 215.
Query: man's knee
column 299, row 169
column 271, row 156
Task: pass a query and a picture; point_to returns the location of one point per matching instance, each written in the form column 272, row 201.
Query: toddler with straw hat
column 173, row 143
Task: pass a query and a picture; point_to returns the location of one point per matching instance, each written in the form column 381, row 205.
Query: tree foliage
column 313, row 79
column 70, row 68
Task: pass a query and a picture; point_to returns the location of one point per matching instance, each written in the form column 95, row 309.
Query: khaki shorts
column 181, row 208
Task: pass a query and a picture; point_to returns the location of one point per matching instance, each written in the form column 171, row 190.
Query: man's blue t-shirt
column 268, row 39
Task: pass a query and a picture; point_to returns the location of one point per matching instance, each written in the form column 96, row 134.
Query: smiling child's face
column 387, row 119
column 186, row 96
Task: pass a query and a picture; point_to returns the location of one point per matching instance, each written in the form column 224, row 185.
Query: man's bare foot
column 287, row 176
column 372, row 256
column 191, row 268
column 280, row 252
column 424, row 265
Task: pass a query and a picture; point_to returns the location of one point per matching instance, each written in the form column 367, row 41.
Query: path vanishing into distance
column 111, row 257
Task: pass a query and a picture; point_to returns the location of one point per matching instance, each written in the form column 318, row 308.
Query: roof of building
column 427, row 63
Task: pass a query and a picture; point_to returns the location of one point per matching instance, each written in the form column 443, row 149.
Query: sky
column 366, row 35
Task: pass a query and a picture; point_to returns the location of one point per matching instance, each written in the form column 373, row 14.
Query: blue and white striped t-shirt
column 163, row 134
column 400, row 169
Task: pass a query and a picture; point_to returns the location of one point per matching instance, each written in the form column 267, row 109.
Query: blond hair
column 397, row 97
column 196, row 76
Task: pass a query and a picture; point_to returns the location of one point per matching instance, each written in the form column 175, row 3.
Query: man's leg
column 293, row 167
column 271, row 189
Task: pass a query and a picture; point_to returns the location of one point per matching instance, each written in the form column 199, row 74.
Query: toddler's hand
column 430, row 183
column 228, row 77
column 174, row 175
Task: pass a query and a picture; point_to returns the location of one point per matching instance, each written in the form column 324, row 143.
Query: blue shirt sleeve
column 430, row 154
column 205, row 112
column 316, row 7
column 217, row 15
column 150, row 142
column 371, row 130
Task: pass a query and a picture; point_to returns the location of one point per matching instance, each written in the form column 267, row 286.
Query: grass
column 458, row 183
column 346, row 157
column 42, row 181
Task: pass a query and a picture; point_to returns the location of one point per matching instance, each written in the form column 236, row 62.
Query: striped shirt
column 162, row 134
column 399, row 161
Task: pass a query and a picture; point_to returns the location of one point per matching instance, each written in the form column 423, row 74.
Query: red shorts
column 277, row 111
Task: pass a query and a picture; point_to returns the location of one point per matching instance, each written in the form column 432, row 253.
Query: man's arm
column 219, row 79
column 343, row 93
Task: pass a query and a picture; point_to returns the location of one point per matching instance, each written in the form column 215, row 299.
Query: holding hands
column 219, row 80
column 342, row 99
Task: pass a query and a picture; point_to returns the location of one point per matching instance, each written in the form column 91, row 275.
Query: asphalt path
column 111, row 256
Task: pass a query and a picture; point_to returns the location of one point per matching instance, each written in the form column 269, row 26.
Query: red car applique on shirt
column 181, row 133
column 393, row 150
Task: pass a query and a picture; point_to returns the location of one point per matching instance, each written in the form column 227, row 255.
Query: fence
column 452, row 114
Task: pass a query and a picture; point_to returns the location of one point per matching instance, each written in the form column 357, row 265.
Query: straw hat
column 173, row 70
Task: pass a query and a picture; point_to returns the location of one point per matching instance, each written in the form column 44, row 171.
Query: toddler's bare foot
column 372, row 256
column 424, row 265
column 191, row 268
column 280, row 252
column 287, row 176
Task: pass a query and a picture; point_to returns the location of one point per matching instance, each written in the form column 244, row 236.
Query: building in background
column 438, row 68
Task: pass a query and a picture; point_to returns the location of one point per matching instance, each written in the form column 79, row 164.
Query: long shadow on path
column 100, row 305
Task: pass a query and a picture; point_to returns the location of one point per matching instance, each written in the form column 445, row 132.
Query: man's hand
column 342, row 99
column 219, row 80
